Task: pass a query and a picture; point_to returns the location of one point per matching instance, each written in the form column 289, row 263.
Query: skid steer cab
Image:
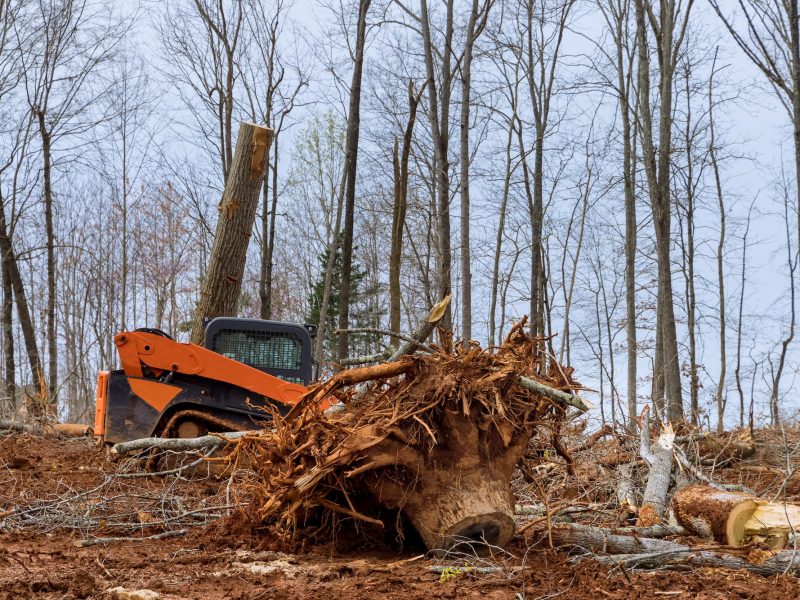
column 167, row 388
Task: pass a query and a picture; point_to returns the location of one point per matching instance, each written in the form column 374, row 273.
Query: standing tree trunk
column 223, row 283
column 440, row 136
column 720, row 395
column 8, row 338
column 23, row 311
column 739, row 321
column 52, row 342
column 689, row 257
column 500, row 233
column 657, row 153
column 350, row 172
column 542, row 53
column 268, row 244
column 473, row 31
column 400, row 170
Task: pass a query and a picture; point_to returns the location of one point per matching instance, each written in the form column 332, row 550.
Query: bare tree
column 712, row 152
column 272, row 87
column 546, row 24
column 667, row 28
column 202, row 40
column 76, row 40
column 477, row 22
column 350, row 172
column 400, row 207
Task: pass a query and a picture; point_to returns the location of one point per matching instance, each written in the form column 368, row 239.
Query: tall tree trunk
column 400, row 170
column 629, row 182
column 720, row 394
column 268, row 244
column 657, row 169
column 466, row 254
column 739, row 321
column 351, row 170
column 124, row 224
column 10, row 390
column 439, row 98
column 52, row 342
column 23, row 311
column 223, row 281
column 499, row 240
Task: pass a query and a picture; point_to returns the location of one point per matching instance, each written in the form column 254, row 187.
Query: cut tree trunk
column 735, row 518
column 237, row 212
column 659, row 457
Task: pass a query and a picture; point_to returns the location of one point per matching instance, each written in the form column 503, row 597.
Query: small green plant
column 449, row 573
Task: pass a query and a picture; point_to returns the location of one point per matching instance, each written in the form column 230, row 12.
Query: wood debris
column 435, row 437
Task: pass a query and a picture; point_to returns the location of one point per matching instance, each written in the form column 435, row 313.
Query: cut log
column 72, row 429
column 735, row 518
column 65, row 429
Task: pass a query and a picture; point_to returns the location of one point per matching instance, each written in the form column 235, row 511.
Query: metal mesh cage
column 265, row 350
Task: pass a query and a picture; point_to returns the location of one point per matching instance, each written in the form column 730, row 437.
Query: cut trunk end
column 735, row 518
column 477, row 532
column 467, row 517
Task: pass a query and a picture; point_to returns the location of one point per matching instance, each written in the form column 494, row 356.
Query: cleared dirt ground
column 40, row 557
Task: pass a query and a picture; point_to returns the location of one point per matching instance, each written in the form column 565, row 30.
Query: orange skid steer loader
column 167, row 388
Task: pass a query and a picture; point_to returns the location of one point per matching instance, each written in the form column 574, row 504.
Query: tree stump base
column 457, row 495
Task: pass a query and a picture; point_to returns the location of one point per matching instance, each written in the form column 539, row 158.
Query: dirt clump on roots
column 432, row 439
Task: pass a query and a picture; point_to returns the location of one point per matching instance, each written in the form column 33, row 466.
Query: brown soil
column 43, row 561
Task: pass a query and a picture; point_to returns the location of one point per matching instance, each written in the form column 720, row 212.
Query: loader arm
column 161, row 355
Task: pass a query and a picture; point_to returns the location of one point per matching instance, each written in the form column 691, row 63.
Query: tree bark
column 659, row 458
column 439, row 108
column 734, row 518
column 223, row 282
column 9, row 258
column 473, row 31
column 52, row 342
column 400, row 169
column 613, row 548
column 10, row 390
column 351, row 170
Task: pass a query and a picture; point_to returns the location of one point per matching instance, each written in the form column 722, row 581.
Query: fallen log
column 735, row 518
column 63, row 429
column 179, row 444
column 608, row 547
column 16, row 426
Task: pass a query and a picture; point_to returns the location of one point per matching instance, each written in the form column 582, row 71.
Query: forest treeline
column 582, row 162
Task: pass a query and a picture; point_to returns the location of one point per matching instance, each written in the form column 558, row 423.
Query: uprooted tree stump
column 435, row 436
column 735, row 518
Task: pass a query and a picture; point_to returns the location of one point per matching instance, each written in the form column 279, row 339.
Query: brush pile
column 434, row 437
